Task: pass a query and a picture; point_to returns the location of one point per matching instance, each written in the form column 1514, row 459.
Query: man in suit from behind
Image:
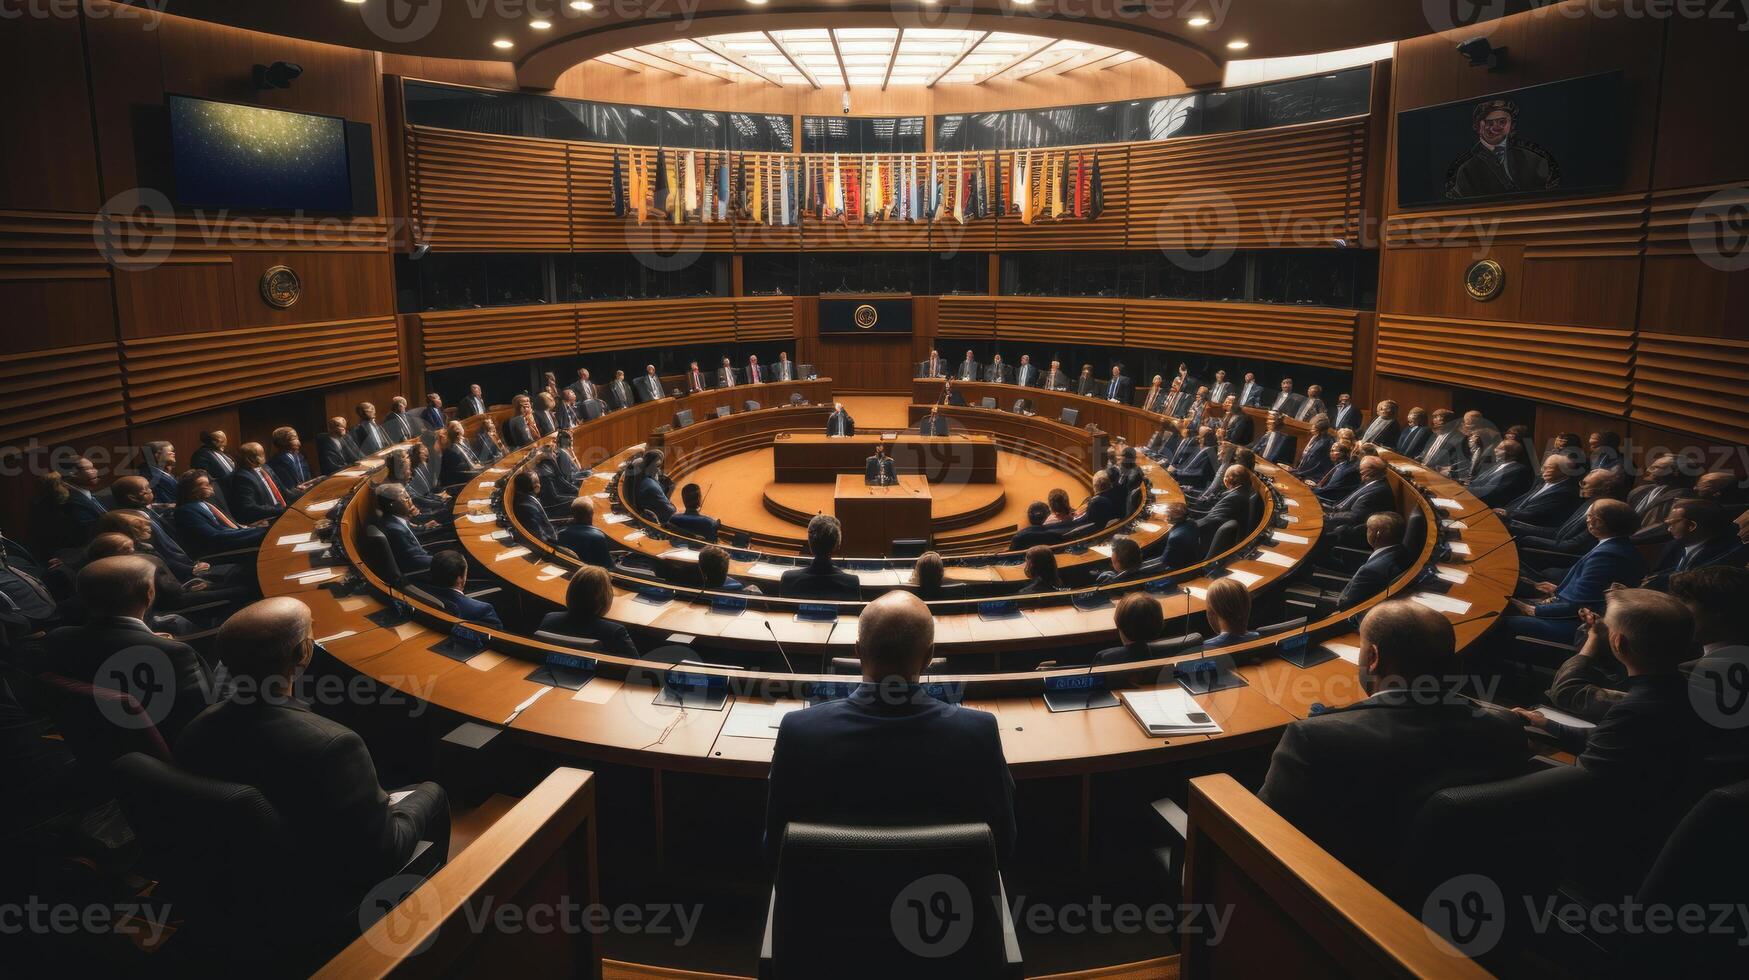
column 1551, row 500
column 116, row 650
column 1234, row 503
column 585, row 540
column 1415, row 435
column 369, row 435
column 396, row 514
column 158, row 466
column 650, row 384
column 335, row 449
column 1036, row 530
column 1383, row 429
column 1025, row 375
column 133, row 493
column 933, row 424
column 255, row 493
column 877, row 470
column 713, row 572
column 1126, row 562
column 918, row 760
column 932, row 366
column 1347, row 416
column 1183, row 540
column 527, row 507
column 448, row 574
column 343, row 833
column 839, row 423
column 474, row 403
column 1352, row 778
column 998, row 372
column 1274, row 446
column 1118, row 387
column 288, row 464
column 950, row 395
column 1550, row 610
column 968, row 369
column 1388, row 559
column 1506, row 478
column 691, row 520
column 820, row 578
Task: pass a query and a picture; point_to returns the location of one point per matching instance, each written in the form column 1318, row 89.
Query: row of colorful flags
column 695, row 186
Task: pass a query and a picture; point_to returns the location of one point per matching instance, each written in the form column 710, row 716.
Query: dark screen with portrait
column 1565, row 137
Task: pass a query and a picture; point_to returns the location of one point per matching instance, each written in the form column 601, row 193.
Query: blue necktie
column 1113, row 392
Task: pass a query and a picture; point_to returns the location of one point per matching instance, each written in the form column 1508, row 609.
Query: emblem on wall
column 865, row 316
column 280, row 287
column 1483, row 280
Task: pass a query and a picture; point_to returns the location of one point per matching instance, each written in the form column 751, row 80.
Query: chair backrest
column 99, row 724
column 1069, row 416
column 797, row 398
column 987, row 402
column 1415, row 531
column 741, row 540
column 749, row 406
column 1222, row 539
column 1167, row 646
column 804, row 371
column 928, row 901
column 592, row 408
column 567, row 640
column 1703, row 865
column 909, row 547
column 1020, row 405
column 374, row 550
column 683, row 418
column 1282, row 627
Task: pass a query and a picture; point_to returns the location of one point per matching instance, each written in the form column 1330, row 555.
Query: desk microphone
column 787, row 665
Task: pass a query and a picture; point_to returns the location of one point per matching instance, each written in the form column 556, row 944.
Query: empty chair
column 1222, row 539
column 749, row 406
column 1069, row 416
column 592, row 409
column 909, row 882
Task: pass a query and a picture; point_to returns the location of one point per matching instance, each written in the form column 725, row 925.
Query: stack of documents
column 1169, row 711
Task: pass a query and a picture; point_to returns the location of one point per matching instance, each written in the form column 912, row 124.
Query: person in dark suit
column 918, row 760
column 1346, row 416
column 1181, row 545
column 997, row 372
column 203, row 527
column 1126, row 562
column 1097, row 510
column 335, row 449
column 587, row 600
column 1036, row 530
column 1163, row 400
column 567, row 414
column 839, row 423
column 583, row 388
column 1235, row 502
column 1551, row 500
column 431, row 416
column 158, row 463
column 1553, row 610
column 288, row 464
column 755, row 374
column 968, row 369
column 1235, row 425
column 396, row 516
column 1221, row 388
column 1164, row 442
column 725, row 375
column 1383, row 429
column 527, row 508
column 1373, row 495
column 369, row 435
column 255, row 493
column 1314, row 460
column 928, row 574
column 651, row 497
column 1139, row 622
column 1118, row 387
column 782, row 369
column 877, row 470
column 713, row 571
column 212, row 458
column 1274, row 446
column 1312, row 405
column 932, row 366
column 1651, row 737
column 585, row 540
column 695, row 381
column 546, row 418
column 1025, row 374
column 134, row 495
column 1389, row 559
column 343, row 833
column 447, row 574
column 1443, row 449
column 1285, row 401
column 1505, row 479
column 1699, row 536
column 400, row 425
column 950, row 395
column 690, row 521
column 1085, row 383
column 488, row 444
column 932, row 424
column 1250, row 392
column 1198, row 468
column 1570, row 537
column 116, row 650
column 1039, row 565
column 649, row 386
column 1342, row 477
column 561, row 474
column 1665, row 483
column 619, row 392
column 1415, row 434
column 458, row 464
column 1603, row 451
column 1056, row 379
column 474, row 403
column 1352, row 778
column 820, row 579
column 81, row 508
column 1499, row 162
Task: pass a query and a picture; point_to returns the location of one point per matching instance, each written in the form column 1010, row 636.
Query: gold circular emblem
column 865, row 316
column 280, row 287
column 1483, row 280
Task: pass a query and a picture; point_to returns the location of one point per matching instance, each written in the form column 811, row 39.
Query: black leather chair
column 927, row 902
column 1069, row 416
column 1224, row 538
column 805, row 372
column 909, row 547
column 98, row 724
column 1703, row 864
column 592, row 408
column 378, row 556
column 749, row 406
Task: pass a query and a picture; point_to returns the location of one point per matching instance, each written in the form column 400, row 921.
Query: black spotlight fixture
column 280, row 74
column 1480, row 54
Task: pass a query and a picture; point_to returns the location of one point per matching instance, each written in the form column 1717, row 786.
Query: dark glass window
column 959, row 273
column 771, row 274
column 451, row 282
column 862, row 134
column 515, row 279
column 549, row 117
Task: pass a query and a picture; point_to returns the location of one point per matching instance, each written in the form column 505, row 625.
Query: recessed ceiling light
column 541, row 25
column 503, row 42
column 582, row 5
column 1023, row 3
column 1198, row 21
column 757, row 3
column 1238, row 45
column 354, row 1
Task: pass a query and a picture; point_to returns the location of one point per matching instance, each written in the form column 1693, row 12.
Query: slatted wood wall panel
column 595, row 228
column 43, row 245
column 34, row 388
column 1594, row 227
column 1577, row 366
column 463, row 337
column 1307, row 335
column 1693, row 384
column 1083, row 320
column 1295, row 187
column 478, row 193
column 1693, row 220
column 1110, row 230
column 182, row 373
column 765, row 318
column 966, row 316
column 654, row 323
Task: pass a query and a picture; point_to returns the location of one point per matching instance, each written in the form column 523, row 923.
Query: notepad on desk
column 309, row 546
column 1282, row 537
column 1347, row 651
column 1247, row 579
column 615, row 518
column 322, row 506
column 679, row 554
column 1275, row 558
column 756, row 719
column 1168, row 711
column 1148, row 527
column 1101, row 549
column 509, row 553
column 1446, row 503
column 1442, row 603
column 1459, row 548
column 485, row 518
column 285, row 539
column 1455, row 576
column 1560, row 717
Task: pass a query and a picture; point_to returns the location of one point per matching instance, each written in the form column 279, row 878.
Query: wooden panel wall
column 457, row 338
column 478, row 193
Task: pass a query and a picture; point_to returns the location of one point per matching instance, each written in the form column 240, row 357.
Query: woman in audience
column 1061, row 512
column 587, row 599
column 1229, row 614
column 927, row 573
column 1040, row 566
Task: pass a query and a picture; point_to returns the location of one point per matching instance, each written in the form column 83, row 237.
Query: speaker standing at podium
column 878, row 470
column 839, row 423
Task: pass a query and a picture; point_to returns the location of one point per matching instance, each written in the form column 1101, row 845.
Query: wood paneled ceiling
column 543, row 38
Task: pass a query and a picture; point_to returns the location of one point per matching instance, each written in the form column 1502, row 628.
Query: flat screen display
column 249, row 158
column 1559, row 138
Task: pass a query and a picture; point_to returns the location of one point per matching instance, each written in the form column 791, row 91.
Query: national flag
column 1095, row 191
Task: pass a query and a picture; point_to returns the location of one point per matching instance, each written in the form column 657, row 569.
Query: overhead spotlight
column 541, row 25
column 503, row 43
column 1481, row 54
column 354, row 1
column 420, row 250
column 1023, row 3
column 757, row 3
column 1198, row 21
column 582, row 5
column 1238, row 45
column 280, row 74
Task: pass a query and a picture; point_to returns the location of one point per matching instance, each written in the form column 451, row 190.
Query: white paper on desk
column 1148, row 526
column 1291, row 501
column 309, row 546
column 319, row 575
column 1247, row 579
column 352, row 472
column 1560, row 717
column 485, row 660
column 1101, row 549
column 635, row 536
column 485, row 518
column 766, row 570
column 293, row 538
column 756, row 719
column 499, row 469
column 480, row 502
column 679, row 554
column 1346, row 651
column 343, row 634
column 1446, row 503
column 321, row 507
column 1160, row 492
column 1282, row 537
column 595, row 692
column 1166, row 711
column 1459, row 548
column 509, row 553
column 1197, row 592
column 549, row 572
column 502, row 534
column 1455, row 576
column 1291, row 519
column 1275, row 558
column 615, row 518
column 487, row 484
column 1442, row 603
column 1158, row 510
column 1454, row 525
column 601, row 495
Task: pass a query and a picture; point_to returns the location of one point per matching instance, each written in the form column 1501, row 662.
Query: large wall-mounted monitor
column 238, row 157
column 1562, row 137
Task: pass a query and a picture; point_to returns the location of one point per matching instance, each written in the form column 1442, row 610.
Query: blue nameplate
column 1161, row 586
column 817, row 612
column 1094, row 600
column 655, row 596
column 999, row 609
column 1074, row 682
column 728, row 605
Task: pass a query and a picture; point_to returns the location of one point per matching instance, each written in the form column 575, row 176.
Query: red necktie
column 224, row 518
column 272, row 490
column 755, row 374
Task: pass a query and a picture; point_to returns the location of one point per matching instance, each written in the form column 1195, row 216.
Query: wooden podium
column 873, row 517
